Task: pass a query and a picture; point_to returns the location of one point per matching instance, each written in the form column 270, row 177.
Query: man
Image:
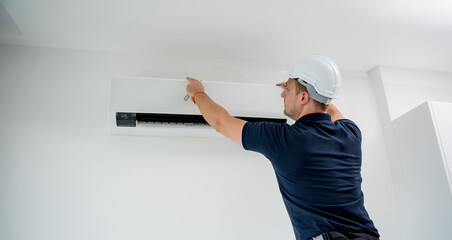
column 317, row 160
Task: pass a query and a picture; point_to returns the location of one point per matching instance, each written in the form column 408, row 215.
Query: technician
column 317, row 160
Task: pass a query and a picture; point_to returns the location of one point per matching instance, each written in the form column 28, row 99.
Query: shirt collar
column 315, row 117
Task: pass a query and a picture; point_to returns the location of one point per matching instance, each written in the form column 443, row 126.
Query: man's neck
column 309, row 110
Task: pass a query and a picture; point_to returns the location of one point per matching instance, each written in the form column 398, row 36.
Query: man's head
column 297, row 100
column 315, row 81
column 319, row 74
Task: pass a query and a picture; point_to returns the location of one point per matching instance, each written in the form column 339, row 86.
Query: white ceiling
column 358, row 34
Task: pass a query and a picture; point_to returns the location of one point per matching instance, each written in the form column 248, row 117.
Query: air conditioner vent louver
column 131, row 119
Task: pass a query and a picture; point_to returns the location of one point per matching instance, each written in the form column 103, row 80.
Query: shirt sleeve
column 352, row 127
column 262, row 137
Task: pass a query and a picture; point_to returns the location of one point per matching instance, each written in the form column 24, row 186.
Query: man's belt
column 343, row 236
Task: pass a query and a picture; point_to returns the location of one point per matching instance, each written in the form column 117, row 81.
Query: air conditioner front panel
column 166, row 96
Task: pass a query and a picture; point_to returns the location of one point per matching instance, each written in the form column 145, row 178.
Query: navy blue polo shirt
column 318, row 168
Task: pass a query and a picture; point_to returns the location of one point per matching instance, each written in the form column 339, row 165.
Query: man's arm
column 214, row 114
column 334, row 112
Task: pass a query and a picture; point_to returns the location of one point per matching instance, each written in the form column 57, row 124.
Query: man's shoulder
column 349, row 125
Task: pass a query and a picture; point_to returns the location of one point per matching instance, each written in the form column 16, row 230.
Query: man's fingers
column 283, row 84
column 191, row 79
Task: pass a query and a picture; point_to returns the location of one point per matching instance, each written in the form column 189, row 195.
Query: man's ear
column 305, row 97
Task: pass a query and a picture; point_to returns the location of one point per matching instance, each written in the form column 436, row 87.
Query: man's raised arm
column 214, row 114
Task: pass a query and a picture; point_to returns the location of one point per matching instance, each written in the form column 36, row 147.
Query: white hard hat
column 319, row 74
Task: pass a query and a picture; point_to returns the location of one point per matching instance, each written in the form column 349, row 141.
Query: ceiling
column 358, row 34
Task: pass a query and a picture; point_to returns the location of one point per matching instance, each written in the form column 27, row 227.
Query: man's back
column 317, row 164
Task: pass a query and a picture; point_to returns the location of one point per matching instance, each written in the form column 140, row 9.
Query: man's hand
column 283, row 85
column 194, row 86
column 334, row 112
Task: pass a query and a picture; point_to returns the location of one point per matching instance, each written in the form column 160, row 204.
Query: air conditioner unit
column 156, row 106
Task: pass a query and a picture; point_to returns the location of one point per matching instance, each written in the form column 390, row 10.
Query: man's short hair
column 300, row 88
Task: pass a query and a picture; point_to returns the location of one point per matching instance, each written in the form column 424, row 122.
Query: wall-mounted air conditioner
column 156, row 106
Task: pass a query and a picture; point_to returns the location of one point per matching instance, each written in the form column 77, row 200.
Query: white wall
column 406, row 88
column 63, row 176
column 397, row 91
column 424, row 176
column 443, row 117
